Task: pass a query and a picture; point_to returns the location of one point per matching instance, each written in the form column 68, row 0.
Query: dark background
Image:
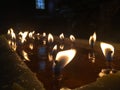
column 78, row 17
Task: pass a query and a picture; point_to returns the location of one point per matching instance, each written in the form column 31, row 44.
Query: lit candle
column 62, row 59
column 92, row 40
column 108, row 52
column 52, row 54
column 72, row 38
column 91, row 54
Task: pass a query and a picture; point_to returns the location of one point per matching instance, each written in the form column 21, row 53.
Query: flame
column 106, row 49
column 61, row 36
column 31, row 46
column 61, row 47
column 11, row 33
column 38, row 36
column 44, row 34
column 55, row 48
column 23, row 36
column 25, row 55
column 53, row 53
column 50, row 37
column 31, row 35
column 64, row 57
column 50, row 57
column 12, row 41
column 72, row 38
column 92, row 39
column 44, row 40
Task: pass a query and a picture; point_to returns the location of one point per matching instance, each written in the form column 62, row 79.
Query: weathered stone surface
column 14, row 73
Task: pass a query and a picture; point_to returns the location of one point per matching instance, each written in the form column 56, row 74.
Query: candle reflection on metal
column 91, row 54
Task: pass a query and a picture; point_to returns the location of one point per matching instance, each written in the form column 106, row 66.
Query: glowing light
column 31, row 46
column 25, row 55
column 31, row 34
column 65, row 57
column 12, row 41
column 44, row 34
column 61, row 36
column 102, row 73
column 11, row 33
column 55, row 48
column 92, row 39
column 108, row 50
column 50, row 37
column 23, row 36
column 61, row 47
column 72, row 38
column 38, row 36
column 53, row 53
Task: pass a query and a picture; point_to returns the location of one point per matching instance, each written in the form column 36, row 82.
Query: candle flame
column 11, row 33
column 23, row 36
column 72, row 38
column 55, row 48
column 12, row 41
column 50, row 57
column 92, row 39
column 108, row 50
column 38, row 36
column 31, row 34
column 44, row 34
column 25, row 55
column 61, row 47
column 50, row 37
column 31, row 46
column 61, row 36
column 64, row 57
column 52, row 54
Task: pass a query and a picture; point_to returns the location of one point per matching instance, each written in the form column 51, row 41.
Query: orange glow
column 23, row 36
column 92, row 38
column 72, row 38
column 106, row 48
column 65, row 57
column 25, row 55
column 50, row 37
